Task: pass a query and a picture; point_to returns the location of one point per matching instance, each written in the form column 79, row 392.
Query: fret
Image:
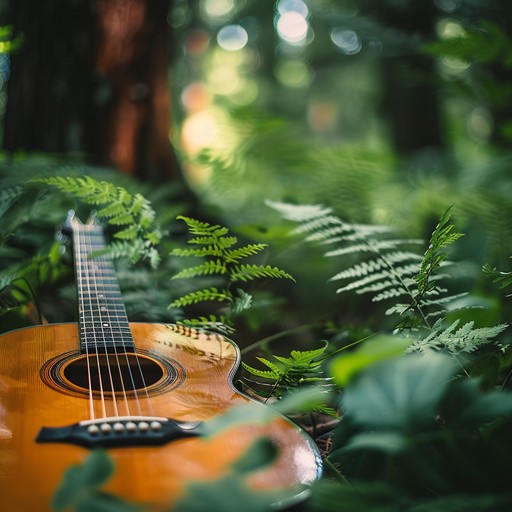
column 102, row 316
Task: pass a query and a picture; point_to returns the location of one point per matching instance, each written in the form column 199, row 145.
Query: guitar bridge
column 125, row 431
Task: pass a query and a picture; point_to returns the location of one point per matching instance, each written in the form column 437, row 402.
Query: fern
column 208, row 294
column 222, row 258
column 390, row 273
column 455, row 339
column 302, row 367
column 130, row 212
column 503, row 279
column 390, row 270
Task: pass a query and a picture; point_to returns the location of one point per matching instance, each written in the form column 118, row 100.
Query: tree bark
column 91, row 77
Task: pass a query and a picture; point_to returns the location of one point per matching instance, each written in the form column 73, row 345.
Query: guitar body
column 190, row 381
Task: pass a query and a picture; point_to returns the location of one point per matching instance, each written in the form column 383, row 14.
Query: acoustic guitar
column 141, row 391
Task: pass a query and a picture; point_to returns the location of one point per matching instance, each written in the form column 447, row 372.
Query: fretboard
column 102, row 316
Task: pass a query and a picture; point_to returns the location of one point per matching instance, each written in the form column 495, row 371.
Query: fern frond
column 212, row 323
column 503, row 279
column 132, row 212
column 208, row 294
column 264, row 374
column 223, row 242
column 298, row 213
column 201, row 228
column 435, row 255
column 249, row 272
column 206, row 268
column 242, row 302
column 246, row 251
column 8, row 196
column 222, row 259
column 208, row 250
column 456, row 340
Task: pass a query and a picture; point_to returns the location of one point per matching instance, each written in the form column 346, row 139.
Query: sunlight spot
column 225, row 80
column 247, row 94
column 297, row 6
column 322, row 116
column 346, row 40
column 218, row 8
column 292, row 27
column 232, row 37
column 447, row 5
column 195, row 97
column 448, row 29
column 479, row 124
column 293, row 73
column 199, row 131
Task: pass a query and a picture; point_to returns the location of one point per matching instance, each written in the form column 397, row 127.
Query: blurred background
column 386, row 111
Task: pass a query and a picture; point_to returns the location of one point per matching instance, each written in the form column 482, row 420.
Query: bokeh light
column 293, row 73
column 232, row 37
column 292, row 21
column 218, row 8
column 346, row 40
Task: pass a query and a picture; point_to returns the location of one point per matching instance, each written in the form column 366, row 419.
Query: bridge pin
column 105, row 427
column 93, row 429
column 118, row 427
column 156, row 425
column 143, row 426
column 131, row 426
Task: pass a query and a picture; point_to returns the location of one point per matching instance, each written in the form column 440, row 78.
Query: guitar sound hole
column 111, row 372
column 106, row 375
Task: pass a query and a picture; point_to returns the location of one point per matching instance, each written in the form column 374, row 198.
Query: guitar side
column 196, row 385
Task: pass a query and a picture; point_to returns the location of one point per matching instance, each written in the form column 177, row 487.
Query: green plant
column 139, row 235
column 222, row 259
column 389, row 273
column 416, row 438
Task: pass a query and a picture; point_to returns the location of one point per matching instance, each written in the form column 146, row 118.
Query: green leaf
column 229, row 493
column 259, row 455
column 466, row 406
column 347, row 365
column 79, row 488
column 401, row 394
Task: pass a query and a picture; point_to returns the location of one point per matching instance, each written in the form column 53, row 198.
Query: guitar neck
column 102, row 316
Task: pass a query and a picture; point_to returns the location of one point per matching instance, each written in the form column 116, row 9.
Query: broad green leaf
column 80, row 484
column 380, row 348
column 388, row 442
column 466, row 406
column 402, row 394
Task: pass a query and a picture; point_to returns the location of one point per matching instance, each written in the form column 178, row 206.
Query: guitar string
column 147, row 398
column 100, row 293
column 79, row 253
column 112, row 308
column 121, row 317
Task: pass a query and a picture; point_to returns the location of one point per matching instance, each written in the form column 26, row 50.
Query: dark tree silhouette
column 91, row 77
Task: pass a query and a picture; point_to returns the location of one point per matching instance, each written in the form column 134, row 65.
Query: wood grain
column 30, row 472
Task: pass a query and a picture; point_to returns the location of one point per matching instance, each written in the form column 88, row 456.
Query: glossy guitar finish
column 189, row 382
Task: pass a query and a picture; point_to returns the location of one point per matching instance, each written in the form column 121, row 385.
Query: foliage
column 415, row 438
column 7, row 43
column 391, row 273
column 133, row 212
column 286, row 374
column 80, row 489
column 504, row 279
column 229, row 491
column 223, row 259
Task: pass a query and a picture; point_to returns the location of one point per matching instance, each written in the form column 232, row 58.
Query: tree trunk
column 92, row 77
